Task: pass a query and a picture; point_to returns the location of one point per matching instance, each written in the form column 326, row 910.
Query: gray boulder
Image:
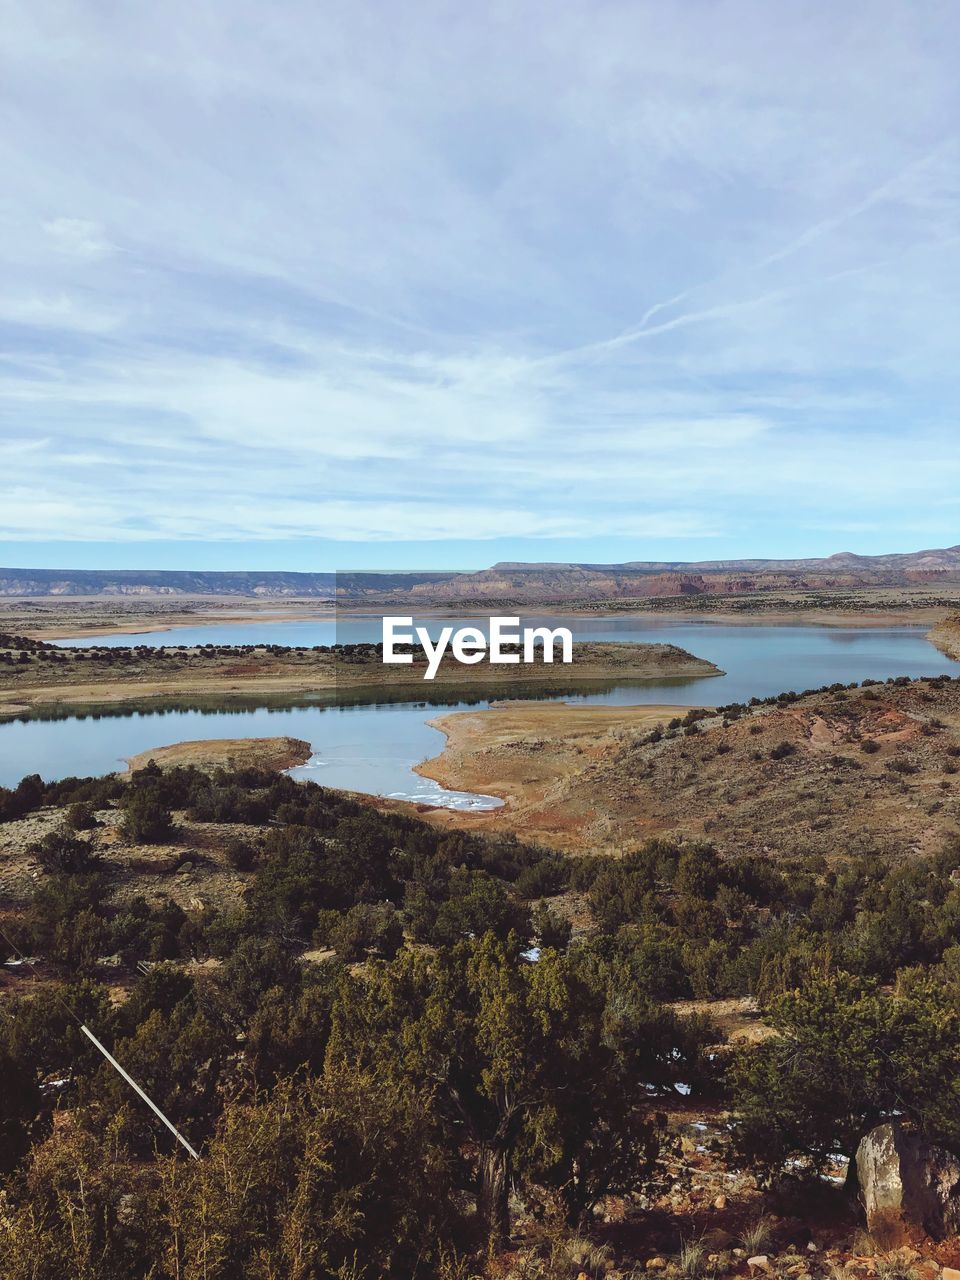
column 907, row 1185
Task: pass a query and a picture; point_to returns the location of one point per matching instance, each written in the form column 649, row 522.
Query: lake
column 372, row 745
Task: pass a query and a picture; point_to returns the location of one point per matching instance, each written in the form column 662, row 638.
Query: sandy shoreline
column 592, row 780
column 524, row 753
column 227, row 753
column 945, row 636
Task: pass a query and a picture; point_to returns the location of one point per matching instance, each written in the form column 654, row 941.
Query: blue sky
column 427, row 285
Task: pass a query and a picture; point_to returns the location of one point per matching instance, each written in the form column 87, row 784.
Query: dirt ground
column 737, row 1019
column 531, row 754
column 192, row 868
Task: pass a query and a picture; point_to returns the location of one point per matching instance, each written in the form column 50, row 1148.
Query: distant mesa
column 162, row 582
column 508, row 581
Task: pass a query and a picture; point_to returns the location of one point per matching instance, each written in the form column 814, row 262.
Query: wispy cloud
column 353, row 272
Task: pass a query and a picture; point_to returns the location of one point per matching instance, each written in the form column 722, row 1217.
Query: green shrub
column 81, row 817
column 146, row 819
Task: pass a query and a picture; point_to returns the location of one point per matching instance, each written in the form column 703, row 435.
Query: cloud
column 55, row 314
column 434, row 274
column 77, row 237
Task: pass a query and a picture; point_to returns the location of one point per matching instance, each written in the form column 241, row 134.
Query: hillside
column 319, row 994
column 861, row 771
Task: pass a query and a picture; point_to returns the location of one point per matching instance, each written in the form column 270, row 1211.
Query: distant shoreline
column 928, row 617
column 100, row 678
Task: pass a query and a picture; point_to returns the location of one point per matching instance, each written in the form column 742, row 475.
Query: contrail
column 643, row 329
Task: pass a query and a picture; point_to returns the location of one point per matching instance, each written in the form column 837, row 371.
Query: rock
column 950, row 1273
column 656, row 1264
column 811, row 1247
column 720, row 1202
column 760, row 1262
column 907, row 1184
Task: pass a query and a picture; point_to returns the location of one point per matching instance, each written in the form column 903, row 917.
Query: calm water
column 373, row 747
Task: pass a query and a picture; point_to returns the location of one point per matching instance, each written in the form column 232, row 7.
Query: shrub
column 367, row 928
column 80, row 817
column 146, row 820
column 241, row 856
column 60, row 854
column 20, row 1102
column 551, row 930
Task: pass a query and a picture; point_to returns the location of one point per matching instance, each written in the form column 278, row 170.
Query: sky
column 320, row 286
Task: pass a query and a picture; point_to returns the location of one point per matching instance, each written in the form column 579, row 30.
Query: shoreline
column 945, row 636
column 80, row 618
column 525, row 754
column 293, row 674
column 779, row 618
column 277, row 753
column 593, row 779
column 156, row 626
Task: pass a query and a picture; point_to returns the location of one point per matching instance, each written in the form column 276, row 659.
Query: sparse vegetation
column 401, row 1048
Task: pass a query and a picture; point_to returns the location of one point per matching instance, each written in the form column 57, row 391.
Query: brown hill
column 860, row 771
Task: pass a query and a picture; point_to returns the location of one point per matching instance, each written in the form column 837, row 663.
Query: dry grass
column 692, row 1258
column 757, row 1237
